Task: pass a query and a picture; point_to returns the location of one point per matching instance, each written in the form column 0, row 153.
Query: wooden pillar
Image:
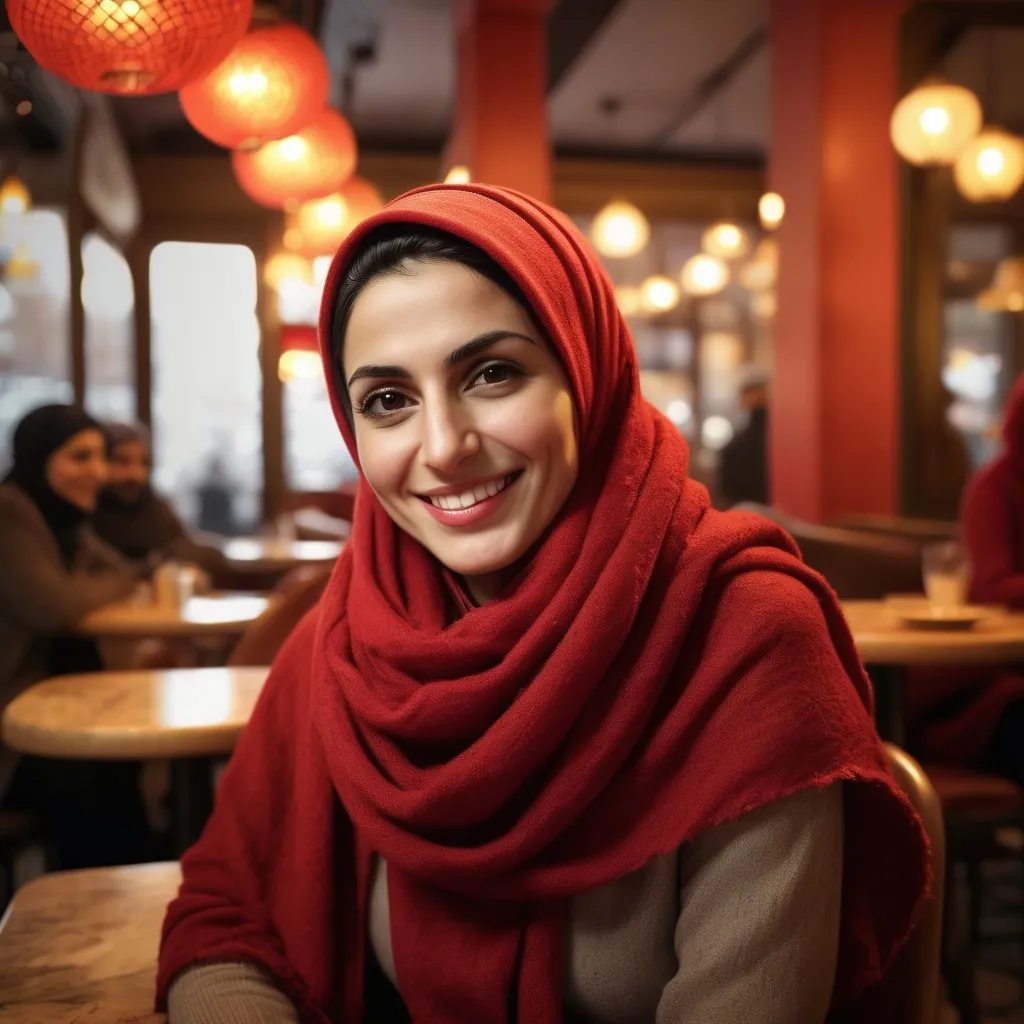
column 836, row 388
column 500, row 125
column 139, row 255
column 76, row 228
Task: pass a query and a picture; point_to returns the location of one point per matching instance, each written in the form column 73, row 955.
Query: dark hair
column 389, row 250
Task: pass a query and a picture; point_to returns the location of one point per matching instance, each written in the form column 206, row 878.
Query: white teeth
column 454, row 502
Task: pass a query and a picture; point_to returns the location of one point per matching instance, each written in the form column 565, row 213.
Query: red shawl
column 656, row 669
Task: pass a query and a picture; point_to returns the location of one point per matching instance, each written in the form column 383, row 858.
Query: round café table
column 215, row 615
column 278, row 554
column 82, row 945
column 187, row 715
column 888, row 648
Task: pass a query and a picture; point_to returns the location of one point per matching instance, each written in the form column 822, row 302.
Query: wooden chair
column 296, row 593
column 858, row 566
column 913, row 985
column 920, row 531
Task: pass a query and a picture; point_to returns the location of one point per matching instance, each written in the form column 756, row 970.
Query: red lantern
column 132, row 47
column 324, row 223
column 309, row 164
column 272, row 84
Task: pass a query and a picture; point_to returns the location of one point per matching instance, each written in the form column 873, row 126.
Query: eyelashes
column 372, row 405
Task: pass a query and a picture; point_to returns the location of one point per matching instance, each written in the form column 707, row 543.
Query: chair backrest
column 858, row 566
column 296, row 594
column 920, row 531
column 913, row 984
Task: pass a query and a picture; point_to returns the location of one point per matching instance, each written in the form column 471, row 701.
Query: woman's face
column 77, row 470
column 464, row 420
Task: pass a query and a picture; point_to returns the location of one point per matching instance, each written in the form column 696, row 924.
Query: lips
column 471, row 505
column 472, row 496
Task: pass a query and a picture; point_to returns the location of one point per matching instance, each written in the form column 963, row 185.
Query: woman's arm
column 35, row 587
column 228, row 993
column 758, row 930
column 229, row 908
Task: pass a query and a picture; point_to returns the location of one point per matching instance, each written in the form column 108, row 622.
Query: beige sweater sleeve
column 228, row 993
column 758, row 931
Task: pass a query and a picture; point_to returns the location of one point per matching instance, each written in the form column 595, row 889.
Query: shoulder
column 990, row 482
column 18, row 510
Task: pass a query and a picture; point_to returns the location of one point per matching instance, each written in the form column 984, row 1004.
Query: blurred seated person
column 972, row 715
column 743, row 473
column 53, row 572
column 133, row 518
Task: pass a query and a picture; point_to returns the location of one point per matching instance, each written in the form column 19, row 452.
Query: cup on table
column 946, row 574
column 174, row 583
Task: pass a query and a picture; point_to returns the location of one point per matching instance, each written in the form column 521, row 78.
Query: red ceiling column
column 500, row 123
column 835, row 403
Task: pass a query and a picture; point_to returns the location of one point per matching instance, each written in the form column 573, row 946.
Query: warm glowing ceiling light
column 132, row 47
column 704, row 275
column 272, row 84
column 458, row 175
column 14, row 196
column 620, row 230
column 933, row 123
column 726, row 240
column 771, row 208
column 659, row 294
column 990, row 169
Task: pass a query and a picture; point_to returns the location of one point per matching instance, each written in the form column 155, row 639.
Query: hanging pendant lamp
column 271, row 85
column 131, row 47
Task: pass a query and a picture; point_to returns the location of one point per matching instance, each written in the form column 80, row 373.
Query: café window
column 108, row 299
column 34, row 338
column 316, row 458
column 207, row 421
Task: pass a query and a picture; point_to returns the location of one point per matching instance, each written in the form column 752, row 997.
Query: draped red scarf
column 657, row 668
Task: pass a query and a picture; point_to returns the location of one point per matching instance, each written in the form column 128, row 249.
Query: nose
column 448, row 435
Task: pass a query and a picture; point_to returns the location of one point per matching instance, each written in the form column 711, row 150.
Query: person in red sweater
column 550, row 701
column 967, row 716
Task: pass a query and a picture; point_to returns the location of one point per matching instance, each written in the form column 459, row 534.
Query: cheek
column 540, row 427
column 384, row 456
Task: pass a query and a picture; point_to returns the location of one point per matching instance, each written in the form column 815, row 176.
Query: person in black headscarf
column 133, row 518
column 54, row 571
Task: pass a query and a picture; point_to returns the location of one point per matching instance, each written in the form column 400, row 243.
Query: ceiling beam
column 571, row 27
column 712, row 84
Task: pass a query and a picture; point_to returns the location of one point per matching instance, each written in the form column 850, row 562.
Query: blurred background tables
column 277, row 554
column 82, row 945
column 888, row 647
column 188, row 715
column 211, row 615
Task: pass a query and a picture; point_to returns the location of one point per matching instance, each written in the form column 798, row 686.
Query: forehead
column 131, row 448
column 84, row 439
column 426, row 308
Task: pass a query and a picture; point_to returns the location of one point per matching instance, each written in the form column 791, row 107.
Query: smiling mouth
column 473, row 496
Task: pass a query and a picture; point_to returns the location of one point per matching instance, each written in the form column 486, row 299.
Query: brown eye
column 496, row 373
column 383, row 403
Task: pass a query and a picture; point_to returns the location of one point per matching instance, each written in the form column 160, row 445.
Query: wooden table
column 216, row 615
column 187, row 712
column 269, row 554
column 888, row 648
column 82, row 946
column 187, row 715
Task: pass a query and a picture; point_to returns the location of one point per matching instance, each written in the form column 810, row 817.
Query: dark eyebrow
column 459, row 355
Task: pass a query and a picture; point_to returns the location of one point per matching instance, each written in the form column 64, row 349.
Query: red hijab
column 656, row 668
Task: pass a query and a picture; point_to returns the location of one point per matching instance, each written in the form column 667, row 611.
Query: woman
column 135, row 520
column 53, row 571
column 965, row 716
column 559, row 738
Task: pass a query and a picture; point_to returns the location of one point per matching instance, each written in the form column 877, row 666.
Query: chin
column 478, row 556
